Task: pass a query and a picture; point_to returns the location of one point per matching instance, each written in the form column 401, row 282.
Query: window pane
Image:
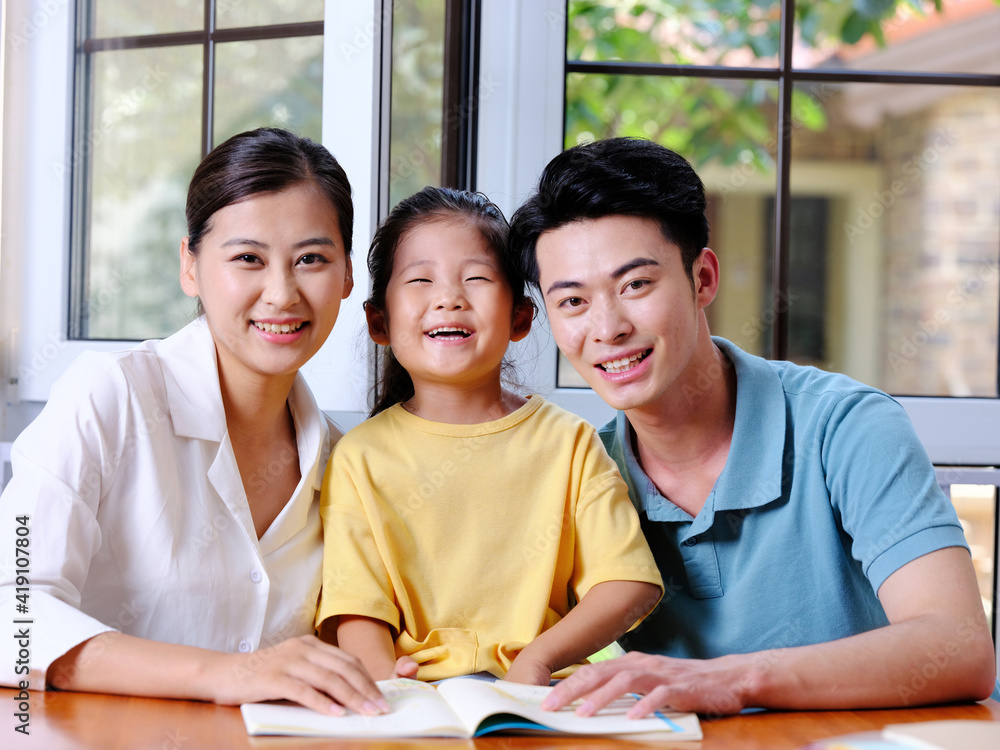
column 692, row 32
column 131, row 18
column 909, row 175
column 231, row 14
column 417, row 97
column 143, row 145
column 976, row 508
column 276, row 83
column 962, row 38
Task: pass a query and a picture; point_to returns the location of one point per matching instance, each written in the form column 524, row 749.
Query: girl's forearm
column 607, row 611
column 370, row 641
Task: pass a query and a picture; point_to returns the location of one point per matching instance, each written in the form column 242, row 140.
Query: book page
column 476, row 700
column 417, row 711
column 946, row 735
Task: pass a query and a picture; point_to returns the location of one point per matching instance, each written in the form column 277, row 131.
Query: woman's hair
column 392, row 382
column 265, row 160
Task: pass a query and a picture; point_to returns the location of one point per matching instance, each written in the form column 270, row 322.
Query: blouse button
column 255, row 576
column 691, row 542
column 245, row 646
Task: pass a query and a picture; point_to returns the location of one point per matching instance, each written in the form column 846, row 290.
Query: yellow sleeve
column 355, row 578
column 610, row 545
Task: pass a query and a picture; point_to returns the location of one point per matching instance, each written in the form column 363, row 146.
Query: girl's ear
column 189, row 279
column 377, row 328
column 524, row 313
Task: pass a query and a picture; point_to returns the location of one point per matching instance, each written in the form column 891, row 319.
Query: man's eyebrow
column 616, row 274
column 632, row 265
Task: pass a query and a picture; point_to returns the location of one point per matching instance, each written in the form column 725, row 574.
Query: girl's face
column 449, row 311
column 271, row 272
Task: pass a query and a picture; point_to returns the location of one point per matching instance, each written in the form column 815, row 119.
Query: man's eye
column 636, row 284
column 572, row 301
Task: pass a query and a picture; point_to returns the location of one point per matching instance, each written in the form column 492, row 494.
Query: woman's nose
column 281, row 288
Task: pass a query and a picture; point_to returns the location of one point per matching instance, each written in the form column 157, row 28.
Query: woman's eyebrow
column 264, row 245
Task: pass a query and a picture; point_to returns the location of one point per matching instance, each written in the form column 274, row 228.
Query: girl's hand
column 528, row 671
column 304, row 669
column 405, row 667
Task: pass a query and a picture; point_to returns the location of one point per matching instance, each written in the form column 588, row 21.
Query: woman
column 168, row 493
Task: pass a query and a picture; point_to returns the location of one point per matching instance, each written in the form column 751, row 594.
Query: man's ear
column 189, row 277
column 377, row 328
column 524, row 313
column 348, row 279
column 705, row 275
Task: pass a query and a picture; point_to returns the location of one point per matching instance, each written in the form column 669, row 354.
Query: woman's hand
column 304, row 669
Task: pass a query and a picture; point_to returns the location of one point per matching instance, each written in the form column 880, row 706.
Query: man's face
column 622, row 308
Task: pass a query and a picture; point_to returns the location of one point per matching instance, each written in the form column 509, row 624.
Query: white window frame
column 37, row 145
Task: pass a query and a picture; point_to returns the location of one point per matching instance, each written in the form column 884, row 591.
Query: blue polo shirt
column 825, row 493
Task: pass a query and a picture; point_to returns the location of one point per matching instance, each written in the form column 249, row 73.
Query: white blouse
column 137, row 520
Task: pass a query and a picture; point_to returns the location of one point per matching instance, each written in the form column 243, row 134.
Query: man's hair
column 614, row 177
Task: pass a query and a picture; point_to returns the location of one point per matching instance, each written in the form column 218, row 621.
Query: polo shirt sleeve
column 355, row 578
column 610, row 545
column 883, row 486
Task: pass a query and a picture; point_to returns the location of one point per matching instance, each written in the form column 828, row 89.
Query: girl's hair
column 265, row 160
column 392, row 382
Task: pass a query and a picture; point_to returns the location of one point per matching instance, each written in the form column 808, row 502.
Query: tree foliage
column 707, row 119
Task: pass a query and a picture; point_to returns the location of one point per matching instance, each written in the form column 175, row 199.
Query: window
column 861, row 236
column 158, row 86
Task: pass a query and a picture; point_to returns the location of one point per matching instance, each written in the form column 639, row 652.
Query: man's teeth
column 622, row 365
column 449, row 332
column 282, row 328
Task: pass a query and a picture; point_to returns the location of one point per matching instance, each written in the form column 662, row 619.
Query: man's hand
column 713, row 686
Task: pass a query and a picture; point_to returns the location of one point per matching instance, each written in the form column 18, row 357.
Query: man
column 808, row 556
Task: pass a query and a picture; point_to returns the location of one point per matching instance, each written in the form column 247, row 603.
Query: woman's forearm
column 302, row 669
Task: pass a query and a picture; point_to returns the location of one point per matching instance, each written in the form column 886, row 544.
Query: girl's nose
column 451, row 298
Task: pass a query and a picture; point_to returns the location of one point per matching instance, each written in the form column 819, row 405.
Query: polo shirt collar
column 752, row 476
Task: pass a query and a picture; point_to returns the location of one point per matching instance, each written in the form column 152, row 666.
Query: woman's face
column 270, row 272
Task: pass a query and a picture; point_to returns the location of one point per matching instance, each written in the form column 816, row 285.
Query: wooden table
column 73, row 721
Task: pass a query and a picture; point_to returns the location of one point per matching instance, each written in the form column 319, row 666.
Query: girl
column 462, row 521
column 170, row 489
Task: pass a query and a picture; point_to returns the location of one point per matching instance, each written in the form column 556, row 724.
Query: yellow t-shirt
column 471, row 540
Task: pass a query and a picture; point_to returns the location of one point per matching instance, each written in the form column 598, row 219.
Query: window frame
column 36, row 279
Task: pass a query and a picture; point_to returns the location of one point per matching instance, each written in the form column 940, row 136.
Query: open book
column 467, row 707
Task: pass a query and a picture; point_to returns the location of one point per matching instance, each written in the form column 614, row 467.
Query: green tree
column 706, row 119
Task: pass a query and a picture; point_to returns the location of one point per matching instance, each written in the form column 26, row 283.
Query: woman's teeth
column 282, row 328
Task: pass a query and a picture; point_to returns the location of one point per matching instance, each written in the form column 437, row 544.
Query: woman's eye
column 311, row 259
column 247, row 258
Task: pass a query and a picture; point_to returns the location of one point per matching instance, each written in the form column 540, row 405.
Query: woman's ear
column 189, row 277
column 524, row 313
column 377, row 328
column 348, row 279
